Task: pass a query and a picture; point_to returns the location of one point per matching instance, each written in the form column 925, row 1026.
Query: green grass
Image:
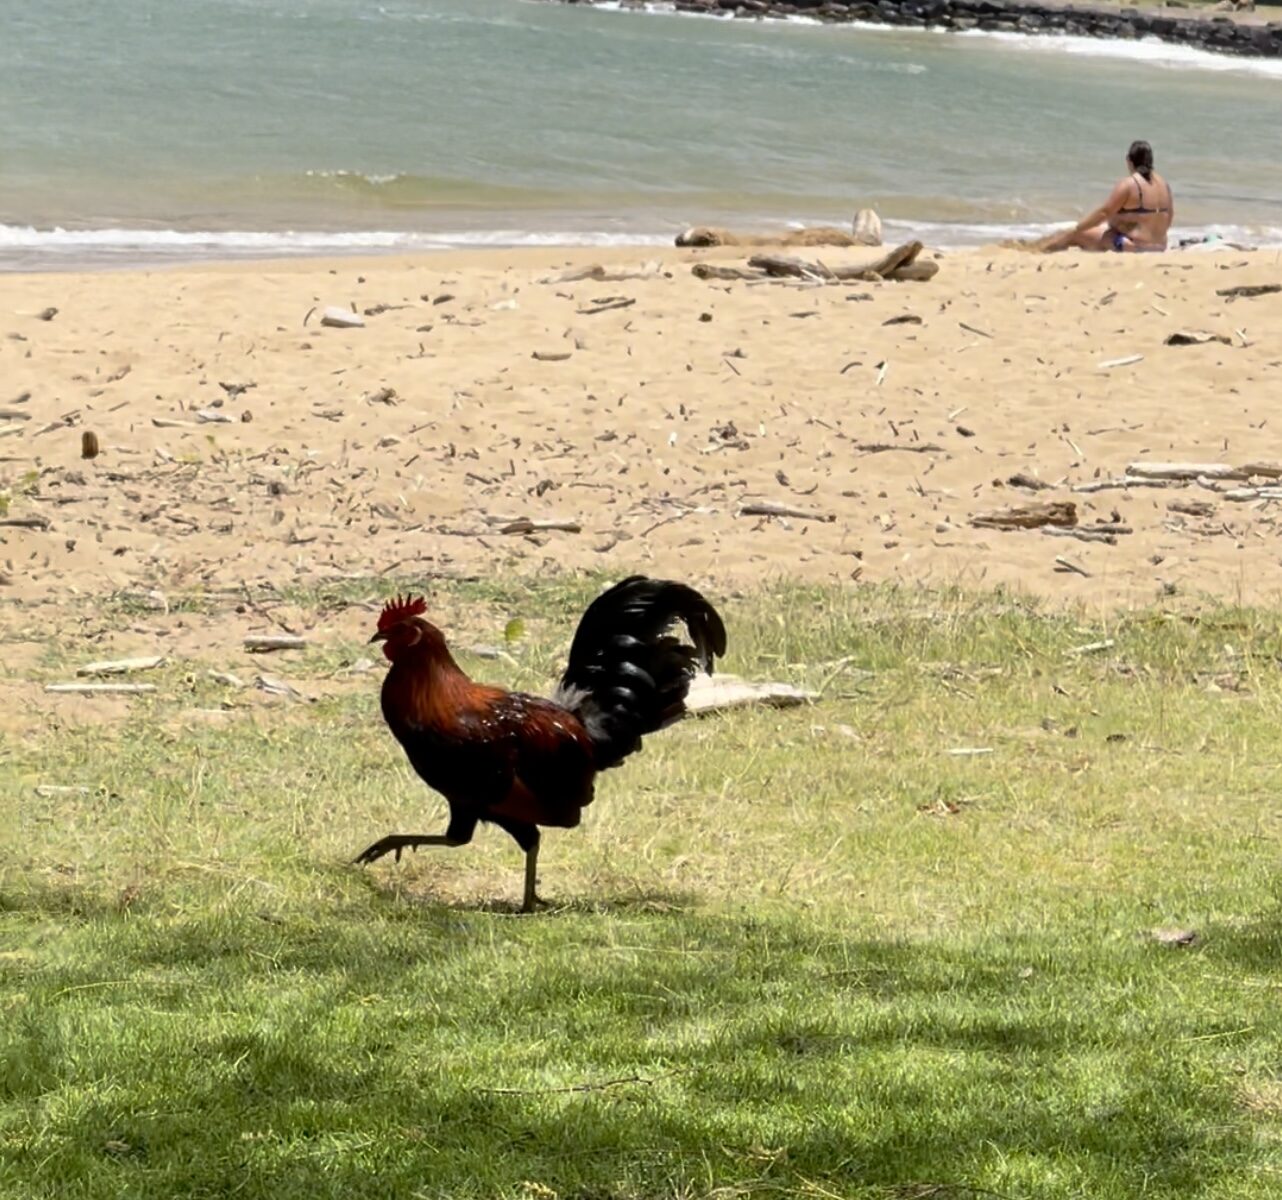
column 803, row 953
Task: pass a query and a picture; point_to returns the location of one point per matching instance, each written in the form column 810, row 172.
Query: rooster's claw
column 396, row 843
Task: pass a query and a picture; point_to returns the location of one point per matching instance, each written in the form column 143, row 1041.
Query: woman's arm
column 1110, row 208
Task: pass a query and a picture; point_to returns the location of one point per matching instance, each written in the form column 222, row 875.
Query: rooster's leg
column 527, row 837
column 531, row 866
column 459, row 833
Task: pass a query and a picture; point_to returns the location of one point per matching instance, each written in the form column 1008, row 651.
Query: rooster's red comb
column 398, row 609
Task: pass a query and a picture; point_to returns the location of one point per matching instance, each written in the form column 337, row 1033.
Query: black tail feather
column 627, row 675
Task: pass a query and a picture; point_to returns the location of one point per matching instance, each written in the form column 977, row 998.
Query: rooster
column 519, row 761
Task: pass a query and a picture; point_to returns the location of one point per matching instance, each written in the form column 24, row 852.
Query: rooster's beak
column 380, row 636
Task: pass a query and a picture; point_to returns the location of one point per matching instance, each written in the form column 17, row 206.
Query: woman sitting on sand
column 1135, row 217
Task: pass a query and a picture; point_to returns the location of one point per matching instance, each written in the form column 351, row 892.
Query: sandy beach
column 244, row 444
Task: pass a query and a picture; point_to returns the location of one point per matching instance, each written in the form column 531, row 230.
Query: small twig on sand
column 607, row 306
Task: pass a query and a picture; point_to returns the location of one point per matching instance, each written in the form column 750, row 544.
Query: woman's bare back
column 1146, row 217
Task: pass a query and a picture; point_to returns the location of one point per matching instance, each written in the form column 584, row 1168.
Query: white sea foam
column 1150, row 50
column 24, row 247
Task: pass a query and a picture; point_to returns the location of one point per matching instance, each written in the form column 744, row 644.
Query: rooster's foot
column 394, row 843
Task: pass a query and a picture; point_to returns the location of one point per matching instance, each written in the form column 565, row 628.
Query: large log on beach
column 899, row 264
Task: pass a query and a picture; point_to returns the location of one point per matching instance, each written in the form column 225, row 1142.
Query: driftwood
column 1255, row 493
column 715, row 693
column 886, row 267
column 1124, row 482
column 1103, row 533
column 539, row 525
column 34, row 522
column 1245, row 291
column 1193, row 508
column 821, row 235
column 1196, row 337
column 122, row 666
column 100, row 689
column 712, row 271
column 1160, row 470
column 551, row 355
column 908, row 447
column 599, row 274
column 607, row 306
column 262, row 643
column 766, row 508
column 1066, row 564
column 1028, row 516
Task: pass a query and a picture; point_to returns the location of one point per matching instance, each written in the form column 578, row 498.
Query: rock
column 342, row 318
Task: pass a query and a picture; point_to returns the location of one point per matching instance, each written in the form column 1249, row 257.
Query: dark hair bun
column 1140, row 156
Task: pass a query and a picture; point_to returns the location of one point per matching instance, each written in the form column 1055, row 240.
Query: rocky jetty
column 1217, row 32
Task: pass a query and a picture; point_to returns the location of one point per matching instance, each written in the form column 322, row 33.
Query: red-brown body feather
column 490, row 752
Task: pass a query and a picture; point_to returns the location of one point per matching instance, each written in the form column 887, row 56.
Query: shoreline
column 642, row 408
column 259, row 248
column 1247, row 35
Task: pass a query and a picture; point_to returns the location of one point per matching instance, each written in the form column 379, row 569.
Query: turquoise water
column 195, row 127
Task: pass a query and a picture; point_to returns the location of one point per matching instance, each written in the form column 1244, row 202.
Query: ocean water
column 192, row 128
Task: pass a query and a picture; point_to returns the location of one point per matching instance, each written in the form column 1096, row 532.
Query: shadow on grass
column 1255, row 945
column 397, row 1049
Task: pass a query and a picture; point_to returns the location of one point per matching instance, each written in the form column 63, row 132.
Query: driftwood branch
column 889, row 266
column 1193, row 508
column 100, row 689
column 1243, row 291
column 122, row 666
column 1028, row 516
column 1105, row 533
column 1123, row 482
column 536, row 525
column 1256, row 493
column 766, row 508
column 262, row 643
column 713, row 271
column 1175, row 470
column 907, row 448
column 1066, row 564
column 607, row 306
column 32, row 522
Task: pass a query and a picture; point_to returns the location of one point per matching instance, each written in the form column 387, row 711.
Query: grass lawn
column 802, row 953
